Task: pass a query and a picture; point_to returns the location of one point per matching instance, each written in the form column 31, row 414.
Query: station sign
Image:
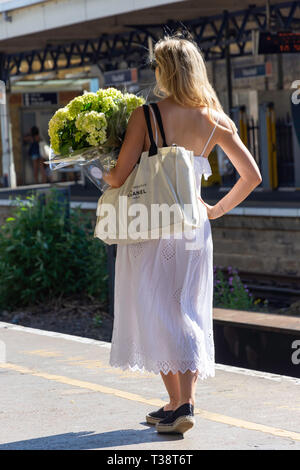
column 278, row 42
column 39, row 99
column 120, row 77
column 259, row 70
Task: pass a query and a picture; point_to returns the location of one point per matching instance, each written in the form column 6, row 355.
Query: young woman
column 164, row 292
column 35, row 155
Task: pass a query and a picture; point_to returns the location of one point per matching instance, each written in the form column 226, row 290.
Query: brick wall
column 257, row 244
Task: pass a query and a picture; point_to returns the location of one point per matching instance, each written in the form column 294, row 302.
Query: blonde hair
column 182, row 74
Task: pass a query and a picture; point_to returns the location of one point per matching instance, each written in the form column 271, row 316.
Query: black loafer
column 156, row 416
column 180, row 421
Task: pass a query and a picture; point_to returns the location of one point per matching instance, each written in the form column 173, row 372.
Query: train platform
column 59, row 392
column 260, row 197
column 282, row 202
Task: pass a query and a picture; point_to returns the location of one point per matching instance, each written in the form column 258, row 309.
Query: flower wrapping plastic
column 89, row 131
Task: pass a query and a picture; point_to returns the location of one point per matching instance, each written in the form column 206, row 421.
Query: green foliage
column 230, row 292
column 45, row 253
column 97, row 320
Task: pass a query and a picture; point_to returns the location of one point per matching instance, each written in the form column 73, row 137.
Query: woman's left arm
column 130, row 151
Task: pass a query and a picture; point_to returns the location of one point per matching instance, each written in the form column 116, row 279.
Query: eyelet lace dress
column 164, row 298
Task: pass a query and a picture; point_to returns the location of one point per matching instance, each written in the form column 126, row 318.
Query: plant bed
column 83, row 316
column 75, row 315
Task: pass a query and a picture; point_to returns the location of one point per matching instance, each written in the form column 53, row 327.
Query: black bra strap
column 160, row 124
column 153, row 148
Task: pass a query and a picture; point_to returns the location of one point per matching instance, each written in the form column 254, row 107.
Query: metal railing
column 284, row 148
column 285, row 151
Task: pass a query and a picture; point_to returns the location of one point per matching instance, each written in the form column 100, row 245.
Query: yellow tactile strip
column 153, row 401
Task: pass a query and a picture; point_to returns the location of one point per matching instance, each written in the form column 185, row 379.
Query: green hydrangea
column 85, row 102
column 110, row 92
column 93, row 124
column 92, row 119
column 56, row 125
column 109, row 99
column 132, row 102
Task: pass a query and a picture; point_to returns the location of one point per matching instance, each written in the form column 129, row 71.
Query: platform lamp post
column 228, row 76
column 8, row 166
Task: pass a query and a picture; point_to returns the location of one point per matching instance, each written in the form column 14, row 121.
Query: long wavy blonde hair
column 182, row 74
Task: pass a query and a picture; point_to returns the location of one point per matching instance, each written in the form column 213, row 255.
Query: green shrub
column 46, row 252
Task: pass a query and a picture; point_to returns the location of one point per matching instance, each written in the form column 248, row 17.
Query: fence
column 285, row 155
column 284, row 148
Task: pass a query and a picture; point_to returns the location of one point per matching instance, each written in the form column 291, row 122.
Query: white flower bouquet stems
column 96, row 164
column 92, row 160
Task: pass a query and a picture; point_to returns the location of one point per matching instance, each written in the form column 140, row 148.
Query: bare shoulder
column 136, row 120
column 221, row 120
column 137, row 113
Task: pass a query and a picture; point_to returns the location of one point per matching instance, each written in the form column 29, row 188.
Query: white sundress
column 163, row 301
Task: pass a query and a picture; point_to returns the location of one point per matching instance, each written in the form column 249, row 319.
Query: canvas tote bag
column 158, row 198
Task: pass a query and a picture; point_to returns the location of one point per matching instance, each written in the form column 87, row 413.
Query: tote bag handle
column 153, row 147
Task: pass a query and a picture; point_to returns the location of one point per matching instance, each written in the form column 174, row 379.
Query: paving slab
column 59, row 392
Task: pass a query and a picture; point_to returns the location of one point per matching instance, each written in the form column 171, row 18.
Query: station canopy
column 50, row 35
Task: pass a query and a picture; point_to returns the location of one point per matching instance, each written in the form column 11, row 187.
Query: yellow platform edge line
column 154, row 402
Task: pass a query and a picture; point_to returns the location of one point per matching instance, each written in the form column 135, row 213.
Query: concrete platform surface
column 59, row 392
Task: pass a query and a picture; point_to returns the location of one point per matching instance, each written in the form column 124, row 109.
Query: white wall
column 58, row 13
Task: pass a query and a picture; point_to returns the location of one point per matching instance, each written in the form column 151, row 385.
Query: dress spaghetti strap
column 212, row 133
column 154, row 119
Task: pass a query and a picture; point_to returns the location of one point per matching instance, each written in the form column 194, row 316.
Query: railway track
column 279, row 290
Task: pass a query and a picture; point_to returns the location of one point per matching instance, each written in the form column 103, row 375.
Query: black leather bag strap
column 159, row 121
column 153, row 147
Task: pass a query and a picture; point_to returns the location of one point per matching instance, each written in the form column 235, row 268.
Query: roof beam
column 212, row 34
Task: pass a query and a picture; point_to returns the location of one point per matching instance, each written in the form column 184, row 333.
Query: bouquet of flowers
column 90, row 130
